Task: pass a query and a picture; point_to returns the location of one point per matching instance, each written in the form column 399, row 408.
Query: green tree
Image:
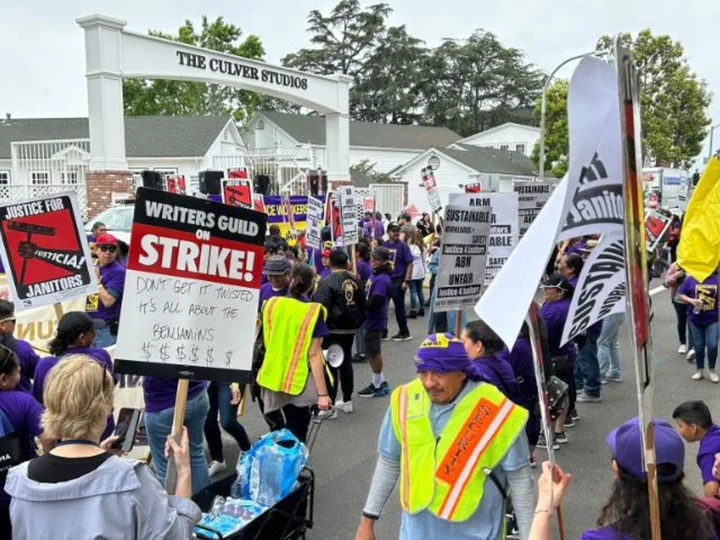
column 474, row 84
column 557, row 137
column 365, row 169
column 673, row 101
column 168, row 97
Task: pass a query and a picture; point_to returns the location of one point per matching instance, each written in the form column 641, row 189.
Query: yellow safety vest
column 446, row 477
column 288, row 325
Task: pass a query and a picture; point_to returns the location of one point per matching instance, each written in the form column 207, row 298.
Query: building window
column 504, row 147
column 261, row 125
column 163, row 171
column 4, row 178
column 520, row 148
column 70, row 177
column 39, row 178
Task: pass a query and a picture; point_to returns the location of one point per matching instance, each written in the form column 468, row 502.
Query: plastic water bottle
column 698, row 308
column 266, row 477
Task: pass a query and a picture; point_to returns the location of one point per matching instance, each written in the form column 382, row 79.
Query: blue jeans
column 416, row 293
column 587, row 368
column 705, row 337
column 159, row 426
column 103, row 338
column 609, row 346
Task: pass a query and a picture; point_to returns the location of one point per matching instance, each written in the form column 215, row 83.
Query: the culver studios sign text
column 227, row 67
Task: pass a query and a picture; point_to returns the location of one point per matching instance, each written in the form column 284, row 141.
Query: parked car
column 117, row 219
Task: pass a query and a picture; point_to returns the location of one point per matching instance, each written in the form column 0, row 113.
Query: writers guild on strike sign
column 45, row 251
column 192, row 281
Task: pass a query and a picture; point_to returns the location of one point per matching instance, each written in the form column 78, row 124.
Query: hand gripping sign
column 44, row 251
column 193, row 280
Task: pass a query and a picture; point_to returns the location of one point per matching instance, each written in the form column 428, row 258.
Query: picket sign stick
column 353, row 257
column 59, row 312
column 458, row 323
column 652, row 482
column 177, row 427
column 243, row 401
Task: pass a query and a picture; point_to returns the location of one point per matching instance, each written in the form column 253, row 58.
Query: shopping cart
column 288, row 519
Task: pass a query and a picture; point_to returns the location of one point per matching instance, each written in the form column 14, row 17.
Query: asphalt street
column 344, row 455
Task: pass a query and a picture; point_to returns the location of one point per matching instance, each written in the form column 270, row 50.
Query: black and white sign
column 348, row 215
column 313, row 226
column 192, row 285
column 532, row 197
column 45, row 251
column 461, row 272
column 428, row 178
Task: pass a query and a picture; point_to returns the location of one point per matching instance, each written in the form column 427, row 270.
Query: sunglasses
column 108, row 249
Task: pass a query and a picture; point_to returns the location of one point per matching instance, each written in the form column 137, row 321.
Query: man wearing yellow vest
column 457, row 445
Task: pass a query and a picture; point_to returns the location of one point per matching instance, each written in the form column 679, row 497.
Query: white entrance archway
column 113, row 53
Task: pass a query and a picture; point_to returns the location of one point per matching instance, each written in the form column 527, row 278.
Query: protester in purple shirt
column 23, row 414
column 378, row 301
column 27, row 356
column 111, row 282
column 484, row 347
column 277, row 270
column 402, row 267
column 695, row 424
column 626, row 515
column 75, row 334
column 702, row 299
column 377, row 229
column 364, row 268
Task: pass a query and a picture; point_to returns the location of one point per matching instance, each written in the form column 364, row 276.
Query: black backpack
column 349, row 308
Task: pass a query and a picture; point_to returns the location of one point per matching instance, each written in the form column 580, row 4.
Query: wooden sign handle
column 177, row 427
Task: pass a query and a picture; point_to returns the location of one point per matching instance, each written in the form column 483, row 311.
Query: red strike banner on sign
column 180, row 254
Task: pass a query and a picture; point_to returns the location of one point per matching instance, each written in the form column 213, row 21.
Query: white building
column 508, row 136
column 387, row 146
column 463, row 165
column 44, row 155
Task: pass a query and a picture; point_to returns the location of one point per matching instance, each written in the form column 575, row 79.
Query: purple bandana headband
column 442, row 353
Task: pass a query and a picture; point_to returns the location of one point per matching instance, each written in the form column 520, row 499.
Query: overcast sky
column 43, row 57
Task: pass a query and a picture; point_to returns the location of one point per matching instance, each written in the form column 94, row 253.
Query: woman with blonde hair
column 80, row 489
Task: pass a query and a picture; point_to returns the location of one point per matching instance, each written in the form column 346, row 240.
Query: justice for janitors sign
column 237, row 69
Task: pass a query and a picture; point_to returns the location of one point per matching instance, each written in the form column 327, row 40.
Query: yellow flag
column 699, row 249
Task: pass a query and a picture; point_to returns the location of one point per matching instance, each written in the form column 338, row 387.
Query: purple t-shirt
column 326, row 271
column 380, row 285
column 160, row 392
column 24, row 413
column 555, row 314
column 605, row 533
column 267, row 292
column 577, row 247
column 379, row 229
column 498, row 372
column 708, row 291
column 521, row 362
column 364, row 270
column 47, row 363
column 113, row 279
column 709, row 446
column 28, row 363
column 400, row 257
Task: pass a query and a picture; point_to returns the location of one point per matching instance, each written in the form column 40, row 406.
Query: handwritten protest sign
column 316, row 208
column 348, row 212
column 45, row 251
column 193, row 278
column 532, row 197
column 464, row 249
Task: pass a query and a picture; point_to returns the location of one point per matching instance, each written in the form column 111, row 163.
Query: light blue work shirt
column 488, row 521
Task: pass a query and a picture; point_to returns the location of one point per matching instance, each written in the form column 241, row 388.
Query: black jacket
column 343, row 295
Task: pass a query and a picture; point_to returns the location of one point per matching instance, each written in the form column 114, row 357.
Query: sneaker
column 714, row 376
column 421, row 312
column 697, row 375
column 412, row 315
column 371, row 391
column 330, row 414
column 603, row 380
column 359, row 358
column 386, row 335
column 402, row 336
column 216, row 467
column 584, row 398
column 682, row 349
column 569, row 422
column 690, row 355
column 542, row 443
column 615, row 378
column 574, row 415
column 561, row 437
column 344, row 406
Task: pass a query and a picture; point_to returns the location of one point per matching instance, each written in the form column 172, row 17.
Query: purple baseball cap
column 442, row 353
column 625, row 442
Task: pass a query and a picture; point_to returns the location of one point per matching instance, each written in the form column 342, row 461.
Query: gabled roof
column 482, row 160
column 145, row 136
column 311, row 129
column 499, row 128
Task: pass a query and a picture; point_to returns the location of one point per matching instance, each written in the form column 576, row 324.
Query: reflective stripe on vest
column 287, row 332
column 446, row 476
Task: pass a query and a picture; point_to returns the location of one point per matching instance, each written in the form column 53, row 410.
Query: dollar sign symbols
column 180, row 353
column 194, row 353
column 163, row 353
column 209, row 356
column 228, row 357
column 147, row 350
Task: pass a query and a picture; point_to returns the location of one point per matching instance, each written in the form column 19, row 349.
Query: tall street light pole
column 543, row 105
column 710, row 150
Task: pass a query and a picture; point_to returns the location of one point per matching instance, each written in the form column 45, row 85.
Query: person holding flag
column 429, row 439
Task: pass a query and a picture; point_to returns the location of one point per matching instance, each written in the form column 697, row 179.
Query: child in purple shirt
column 694, row 423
